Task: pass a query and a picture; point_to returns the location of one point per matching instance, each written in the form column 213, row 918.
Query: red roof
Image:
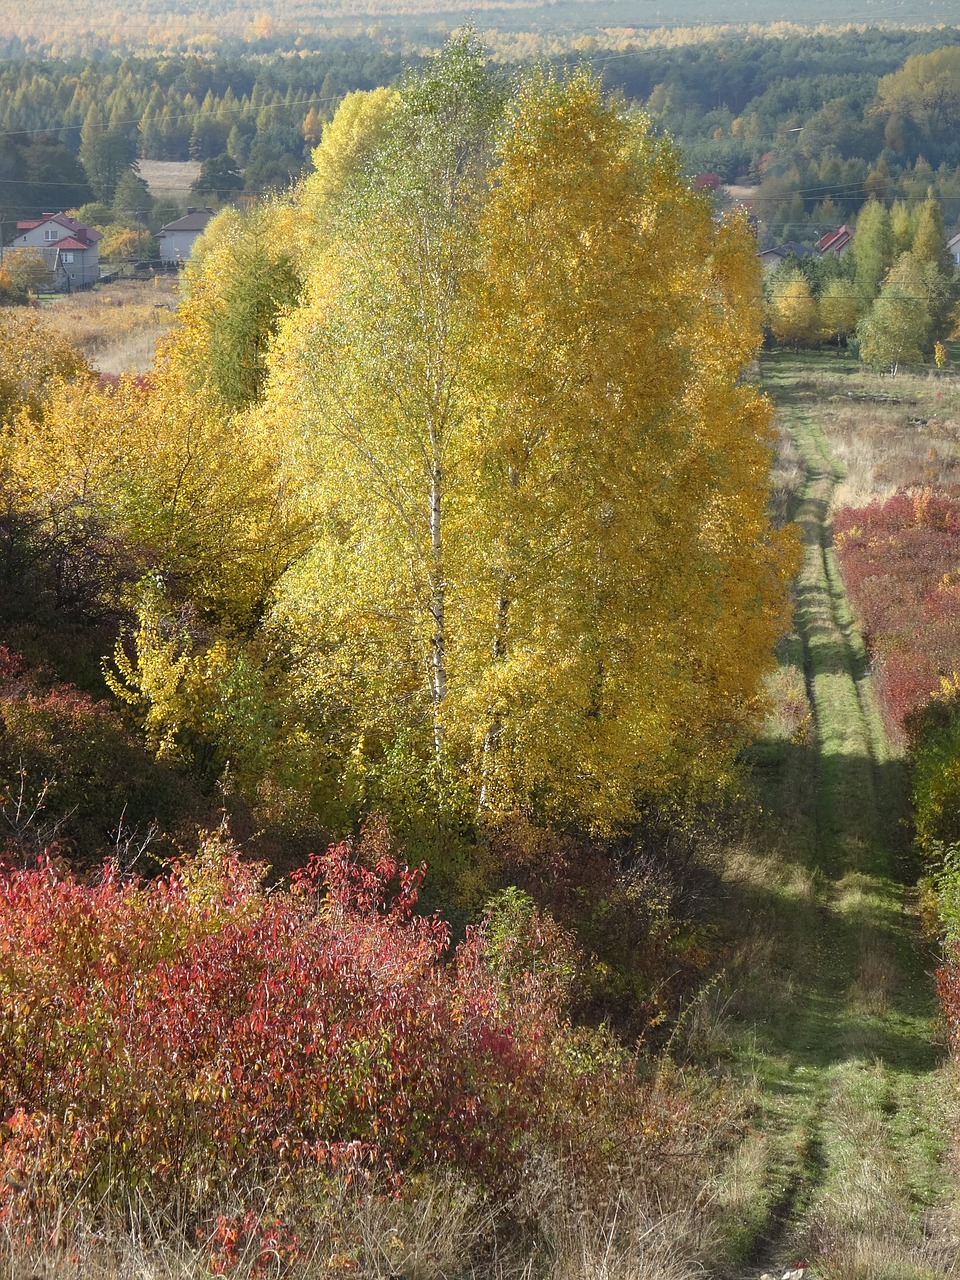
column 835, row 240
column 72, row 243
column 85, row 234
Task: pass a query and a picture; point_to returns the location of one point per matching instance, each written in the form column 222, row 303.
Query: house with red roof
column 68, row 247
column 836, row 241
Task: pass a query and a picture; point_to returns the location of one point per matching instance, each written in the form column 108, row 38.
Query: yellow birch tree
column 542, row 575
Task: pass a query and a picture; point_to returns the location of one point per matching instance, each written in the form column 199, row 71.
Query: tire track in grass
column 840, row 1027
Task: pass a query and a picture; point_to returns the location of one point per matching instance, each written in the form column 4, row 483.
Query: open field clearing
column 116, row 327
column 887, row 433
column 168, row 177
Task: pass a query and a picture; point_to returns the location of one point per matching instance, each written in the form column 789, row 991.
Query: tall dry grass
column 438, row 1228
column 116, row 327
column 890, row 434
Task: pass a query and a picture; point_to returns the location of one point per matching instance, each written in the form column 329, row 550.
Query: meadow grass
column 116, row 327
column 170, row 178
column 832, row 1019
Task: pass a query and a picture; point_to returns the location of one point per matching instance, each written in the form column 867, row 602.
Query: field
column 888, row 433
column 168, row 178
column 116, row 326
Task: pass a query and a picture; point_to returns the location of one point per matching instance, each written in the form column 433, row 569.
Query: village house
column 68, row 247
column 177, row 238
column 836, row 242
column 953, row 247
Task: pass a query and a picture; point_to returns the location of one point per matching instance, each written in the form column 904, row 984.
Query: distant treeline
column 811, row 116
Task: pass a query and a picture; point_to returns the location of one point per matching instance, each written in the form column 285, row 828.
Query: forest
column 479, row 742
column 820, row 121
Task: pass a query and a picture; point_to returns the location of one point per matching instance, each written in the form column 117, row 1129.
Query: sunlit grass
column 116, row 327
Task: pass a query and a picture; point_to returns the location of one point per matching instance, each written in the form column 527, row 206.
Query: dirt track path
column 844, row 1037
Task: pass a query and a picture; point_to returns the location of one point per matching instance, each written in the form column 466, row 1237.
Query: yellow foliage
column 163, row 470
column 32, row 360
column 239, row 277
column 348, row 141
column 119, row 243
column 793, row 312
column 537, row 485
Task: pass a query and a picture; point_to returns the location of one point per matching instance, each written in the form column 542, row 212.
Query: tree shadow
column 832, row 967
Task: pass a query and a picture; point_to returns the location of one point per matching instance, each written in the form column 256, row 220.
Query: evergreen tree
column 105, row 160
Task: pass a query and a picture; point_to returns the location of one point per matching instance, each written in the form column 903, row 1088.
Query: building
column 775, row 257
column 836, row 242
column 177, row 238
column 953, row 248
column 68, row 247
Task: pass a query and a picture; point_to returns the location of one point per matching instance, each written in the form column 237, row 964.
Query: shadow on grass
column 838, row 975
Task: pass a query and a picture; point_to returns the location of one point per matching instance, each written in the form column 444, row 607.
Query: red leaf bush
column 899, row 560
column 201, row 1031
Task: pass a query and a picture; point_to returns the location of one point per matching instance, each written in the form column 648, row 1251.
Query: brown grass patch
column 169, row 177
column 890, row 434
column 116, row 327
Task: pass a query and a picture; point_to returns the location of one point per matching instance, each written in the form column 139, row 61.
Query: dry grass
column 438, row 1229
column 169, row 178
column 889, row 433
column 116, row 327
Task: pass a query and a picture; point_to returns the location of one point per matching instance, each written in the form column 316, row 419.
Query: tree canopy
column 510, row 404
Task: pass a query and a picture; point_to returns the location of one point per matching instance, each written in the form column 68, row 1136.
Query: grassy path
column 836, row 1017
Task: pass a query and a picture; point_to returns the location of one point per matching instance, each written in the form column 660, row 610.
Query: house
column 772, row 258
column 836, row 242
column 953, row 248
column 177, row 238
column 68, row 247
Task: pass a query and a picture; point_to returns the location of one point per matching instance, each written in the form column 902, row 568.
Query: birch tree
column 541, row 574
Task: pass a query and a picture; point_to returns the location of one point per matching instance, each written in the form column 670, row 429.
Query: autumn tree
column 27, row 268
column 349, row 140
column 162, row 471
column 838, row 309
column 929, row 242
column 925, row 90
column 792, row 311
column 873, row 249
column 896, row 327
column 541, row 572
column 33, row 360
column 241, row 274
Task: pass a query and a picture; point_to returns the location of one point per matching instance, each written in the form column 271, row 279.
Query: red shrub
column 200, row 1032
column 899, row 561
